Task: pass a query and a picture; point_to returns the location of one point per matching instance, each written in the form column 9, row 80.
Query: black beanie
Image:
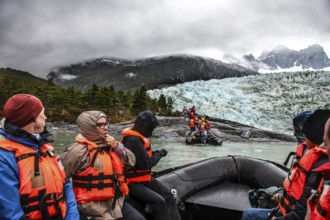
column 313, row 127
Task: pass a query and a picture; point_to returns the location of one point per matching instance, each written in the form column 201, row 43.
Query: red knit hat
column 22, row 109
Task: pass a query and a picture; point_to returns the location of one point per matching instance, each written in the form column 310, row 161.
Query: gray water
column 180, row 154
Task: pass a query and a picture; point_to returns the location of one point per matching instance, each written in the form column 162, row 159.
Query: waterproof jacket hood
column 145, row 123
column 86, row 122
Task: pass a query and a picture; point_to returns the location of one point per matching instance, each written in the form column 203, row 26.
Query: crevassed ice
column 264, row 101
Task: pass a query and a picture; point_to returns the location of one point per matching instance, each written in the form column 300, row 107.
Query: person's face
column 102, row 126
column 40, row 122
column 326, row 137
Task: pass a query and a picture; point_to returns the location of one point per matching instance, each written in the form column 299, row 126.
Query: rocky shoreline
column 177, row 127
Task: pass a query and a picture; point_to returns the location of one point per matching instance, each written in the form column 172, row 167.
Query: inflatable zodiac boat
column 217, row 188
column 195, row 138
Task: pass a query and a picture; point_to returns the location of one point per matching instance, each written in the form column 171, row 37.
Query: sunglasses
column 102, row 125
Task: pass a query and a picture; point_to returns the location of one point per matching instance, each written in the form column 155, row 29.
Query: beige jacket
column 75, row 159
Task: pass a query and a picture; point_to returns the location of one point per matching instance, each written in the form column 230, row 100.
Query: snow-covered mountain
column 282, row 59
column 267, row 101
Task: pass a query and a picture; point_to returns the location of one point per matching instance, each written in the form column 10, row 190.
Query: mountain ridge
column 281, row 58
column 153, row 72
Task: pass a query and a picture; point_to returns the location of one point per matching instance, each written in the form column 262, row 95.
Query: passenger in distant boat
column 318, row 203
column 191, row 114
column 185, row 111
column 96, row 164
column 208, row 125
column 203, row 133
column 192, row 125
column 196, row 121
column 301, row 177
column 142, row 185
column 33, row 184
column 193, row 110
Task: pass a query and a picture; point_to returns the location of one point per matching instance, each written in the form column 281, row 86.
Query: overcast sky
column 39, row 35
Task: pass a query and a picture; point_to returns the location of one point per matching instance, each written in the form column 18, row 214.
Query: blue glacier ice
column 267, row 101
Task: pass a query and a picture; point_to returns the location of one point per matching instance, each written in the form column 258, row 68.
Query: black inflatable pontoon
column 195, row 138
column 217, row 188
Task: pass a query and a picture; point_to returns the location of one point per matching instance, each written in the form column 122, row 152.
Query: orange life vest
column 208, row 125
column 192, row 123
column 202, row 127
column 318, row 205
column 133, row 174
column 42, row 180
column 103, row 179
column 295, row 182
column 196, row 120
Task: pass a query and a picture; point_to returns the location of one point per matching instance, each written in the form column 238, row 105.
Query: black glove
column 163, row 152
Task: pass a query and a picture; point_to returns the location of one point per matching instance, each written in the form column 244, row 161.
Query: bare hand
column 111, row 141
column 276, row 197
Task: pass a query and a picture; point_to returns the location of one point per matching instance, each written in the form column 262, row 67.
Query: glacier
column 266, row 101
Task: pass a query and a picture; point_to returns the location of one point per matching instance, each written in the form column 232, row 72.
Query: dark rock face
column 153, row 72
column 313, row 57
column 280, row 56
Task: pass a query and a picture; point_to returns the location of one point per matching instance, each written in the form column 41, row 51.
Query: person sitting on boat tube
column 142, row 185
column 32, row 180
column 95, row 162
column 300, row 179
column 318, row 203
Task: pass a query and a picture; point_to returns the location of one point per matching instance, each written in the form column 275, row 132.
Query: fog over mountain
column 38, row 35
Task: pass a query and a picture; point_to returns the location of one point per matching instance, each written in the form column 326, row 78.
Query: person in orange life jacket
column 301, row 177
column 96, row 164
column 208, row 125
column 196, row 121
column 33, row 182
column 142, row 185
column 203, row 132
column 192, row 125
column 319, row 201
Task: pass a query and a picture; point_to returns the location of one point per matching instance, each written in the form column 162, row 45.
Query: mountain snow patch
column 67, row 77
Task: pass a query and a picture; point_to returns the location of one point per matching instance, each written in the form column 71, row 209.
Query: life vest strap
column 98, row 150
column 302, row 169
column 36, row 156
column 24, row 156
column 132, row 174
column 292, row 200
column 285, row 206
column 321, row 210
column 101, row 176
column 89, row 186
column 43, row 203
column 288, row 157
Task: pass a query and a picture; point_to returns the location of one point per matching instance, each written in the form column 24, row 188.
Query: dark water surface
column 179, row 153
